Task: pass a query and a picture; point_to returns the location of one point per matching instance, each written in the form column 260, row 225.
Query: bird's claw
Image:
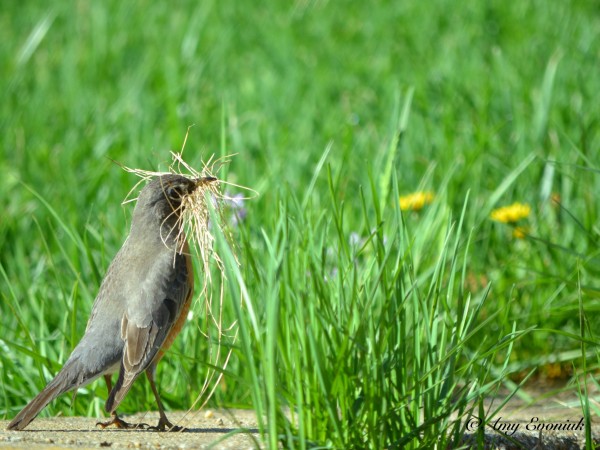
column 165, row 425
column 121, row 424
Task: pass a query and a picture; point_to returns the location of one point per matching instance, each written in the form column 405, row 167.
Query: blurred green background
column 495, row 101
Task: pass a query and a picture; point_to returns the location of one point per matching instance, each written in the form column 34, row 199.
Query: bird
column 140, row 308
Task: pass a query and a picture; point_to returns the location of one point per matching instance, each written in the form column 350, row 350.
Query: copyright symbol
column 473, row 423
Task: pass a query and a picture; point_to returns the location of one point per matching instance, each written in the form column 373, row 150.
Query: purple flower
column 236, row 204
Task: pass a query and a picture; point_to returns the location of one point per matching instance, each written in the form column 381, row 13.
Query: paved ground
column 206, row 429
column 555, row 422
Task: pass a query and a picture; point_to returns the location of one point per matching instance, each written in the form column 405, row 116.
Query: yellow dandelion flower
column 511, row 213
column 520, row 232
column 555, row 200
column 415, row 201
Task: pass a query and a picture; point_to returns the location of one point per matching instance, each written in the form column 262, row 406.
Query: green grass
column 360, row 325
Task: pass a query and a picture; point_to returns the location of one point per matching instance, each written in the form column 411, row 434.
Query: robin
column 141, row 306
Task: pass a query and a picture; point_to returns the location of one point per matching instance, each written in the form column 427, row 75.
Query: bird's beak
column 204, row 180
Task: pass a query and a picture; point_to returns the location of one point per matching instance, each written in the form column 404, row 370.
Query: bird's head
column 163, row 197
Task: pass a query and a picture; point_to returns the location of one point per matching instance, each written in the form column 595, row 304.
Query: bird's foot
column 120, row 423
column 165, row 425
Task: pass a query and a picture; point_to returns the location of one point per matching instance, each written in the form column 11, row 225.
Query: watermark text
column 535, row 424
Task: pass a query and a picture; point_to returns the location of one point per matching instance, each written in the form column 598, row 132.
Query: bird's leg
column 115, row 420
column 163, row 422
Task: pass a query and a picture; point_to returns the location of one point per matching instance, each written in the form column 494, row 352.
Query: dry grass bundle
column 195, row 216
column 198, row 227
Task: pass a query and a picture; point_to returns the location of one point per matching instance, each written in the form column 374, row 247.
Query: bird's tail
column 120, row 389
column 65, row 380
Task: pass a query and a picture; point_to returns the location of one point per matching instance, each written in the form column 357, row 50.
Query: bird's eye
column 174, row 193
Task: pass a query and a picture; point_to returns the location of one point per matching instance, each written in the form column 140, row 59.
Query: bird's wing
column 152, row 309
